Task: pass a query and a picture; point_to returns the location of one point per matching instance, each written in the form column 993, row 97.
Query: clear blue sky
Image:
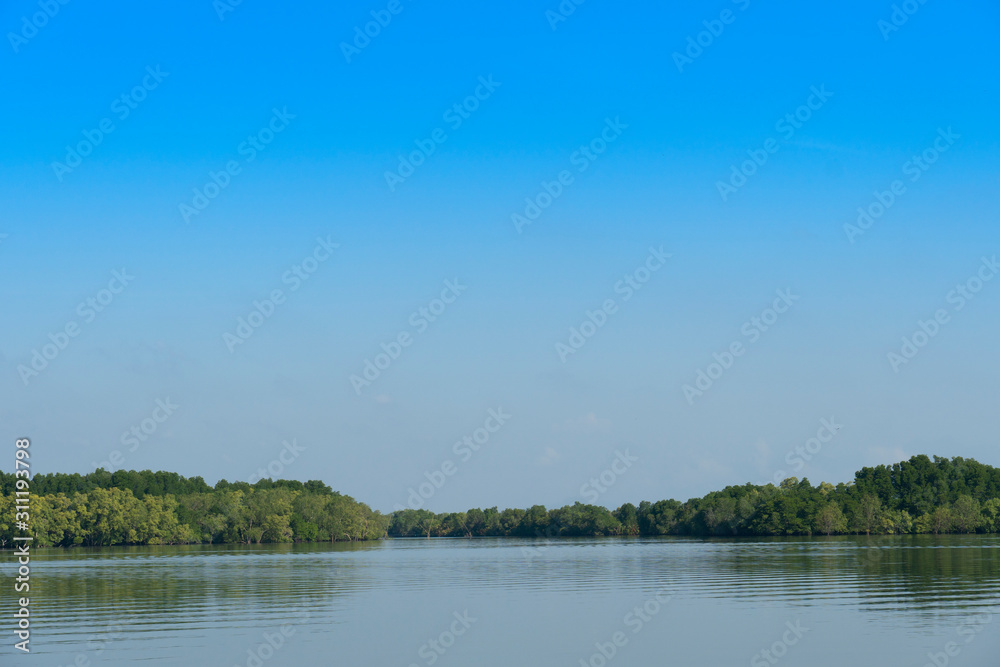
column 672, row 130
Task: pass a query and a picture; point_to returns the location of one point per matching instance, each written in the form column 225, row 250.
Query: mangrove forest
column 126, row 507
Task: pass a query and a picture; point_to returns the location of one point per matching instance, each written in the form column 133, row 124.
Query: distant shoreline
column 130, row 508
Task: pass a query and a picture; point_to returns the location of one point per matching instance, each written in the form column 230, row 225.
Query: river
column 816, row 602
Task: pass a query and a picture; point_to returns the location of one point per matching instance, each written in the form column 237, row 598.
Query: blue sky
column 889, row 95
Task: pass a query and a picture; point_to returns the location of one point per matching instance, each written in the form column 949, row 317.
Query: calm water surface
column 486, row 602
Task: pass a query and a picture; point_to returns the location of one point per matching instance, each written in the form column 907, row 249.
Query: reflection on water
column 878, row 600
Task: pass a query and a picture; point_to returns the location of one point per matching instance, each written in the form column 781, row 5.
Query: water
column 491, row 602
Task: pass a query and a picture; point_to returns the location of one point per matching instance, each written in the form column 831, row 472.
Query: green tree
column 628, row 516
column 966, row 514
column 869, row 514
column 991, row 515
column 831, row 520
column 941, row 520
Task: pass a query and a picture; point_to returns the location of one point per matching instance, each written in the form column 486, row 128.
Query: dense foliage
column 128, row 507
column 917, row 496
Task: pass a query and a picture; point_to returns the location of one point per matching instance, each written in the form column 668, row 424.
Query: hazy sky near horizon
column 804, row 115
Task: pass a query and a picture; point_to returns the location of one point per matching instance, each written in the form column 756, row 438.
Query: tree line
column 922, row 495
column 130, row 507
column 916, row 496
